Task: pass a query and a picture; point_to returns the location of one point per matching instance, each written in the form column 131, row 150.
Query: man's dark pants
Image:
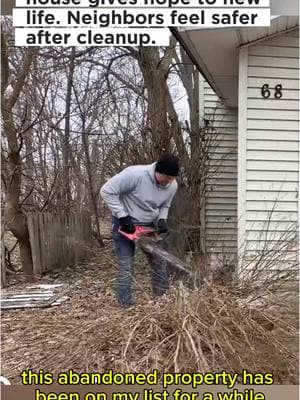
column 125, row 251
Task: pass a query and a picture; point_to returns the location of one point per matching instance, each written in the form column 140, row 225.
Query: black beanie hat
column 167, row 164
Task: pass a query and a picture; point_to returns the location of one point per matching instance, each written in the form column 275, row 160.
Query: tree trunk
column 91, row 186
column 13, row 213
column 155, row 78
column 66, row 142
column 195, row 165
column 17, row 223
column 85, row 142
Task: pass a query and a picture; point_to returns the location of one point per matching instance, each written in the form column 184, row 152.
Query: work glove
column 127, row 224
column 162, row 226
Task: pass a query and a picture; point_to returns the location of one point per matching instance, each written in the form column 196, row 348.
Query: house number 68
column 266, row 92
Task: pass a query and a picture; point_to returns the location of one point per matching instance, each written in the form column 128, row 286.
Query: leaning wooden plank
column 75, row 243
column 3, row 264
column 62, row 239
column 50, row 234
column 35, row 242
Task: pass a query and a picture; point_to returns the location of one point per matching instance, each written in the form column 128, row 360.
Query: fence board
column 58, row 240
column 3, row 264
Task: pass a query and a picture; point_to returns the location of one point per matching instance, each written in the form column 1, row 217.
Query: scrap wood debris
column 209, row 329
column 40, row 295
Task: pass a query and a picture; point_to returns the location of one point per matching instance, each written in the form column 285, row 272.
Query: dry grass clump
column 240, row 325
column 212, row 330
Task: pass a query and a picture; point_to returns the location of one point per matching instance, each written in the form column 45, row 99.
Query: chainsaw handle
column 139, row 231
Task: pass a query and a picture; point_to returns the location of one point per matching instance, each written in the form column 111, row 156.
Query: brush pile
column 209, row 329
column 213, row 329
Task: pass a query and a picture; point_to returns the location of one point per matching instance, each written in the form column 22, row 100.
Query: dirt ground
column 44, row 338
column 90, row 332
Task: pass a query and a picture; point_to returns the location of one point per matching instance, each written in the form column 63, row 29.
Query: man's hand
column 162, row 226
column 127, row 225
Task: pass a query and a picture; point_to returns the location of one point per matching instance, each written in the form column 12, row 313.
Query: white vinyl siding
column 221, row 189
column 270, row 172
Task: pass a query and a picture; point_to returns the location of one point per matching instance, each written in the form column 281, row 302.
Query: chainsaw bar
column 148, row 239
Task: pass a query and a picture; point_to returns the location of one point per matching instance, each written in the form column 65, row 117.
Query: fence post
column 3, row 264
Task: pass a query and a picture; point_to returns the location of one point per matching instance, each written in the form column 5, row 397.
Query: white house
column 251, row 95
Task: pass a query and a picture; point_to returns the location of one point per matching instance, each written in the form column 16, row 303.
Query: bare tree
column 12, row 86
column 66, row 137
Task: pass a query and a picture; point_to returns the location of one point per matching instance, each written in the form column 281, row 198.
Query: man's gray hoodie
column 135, row 192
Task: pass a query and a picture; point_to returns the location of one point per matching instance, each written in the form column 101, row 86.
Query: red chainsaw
column 148, row 240
column 139, row 232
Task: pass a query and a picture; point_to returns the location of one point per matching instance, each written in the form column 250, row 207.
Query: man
column 140, row 195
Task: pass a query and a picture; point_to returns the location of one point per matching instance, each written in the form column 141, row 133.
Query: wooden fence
column 58, row 240
column 3, row 265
